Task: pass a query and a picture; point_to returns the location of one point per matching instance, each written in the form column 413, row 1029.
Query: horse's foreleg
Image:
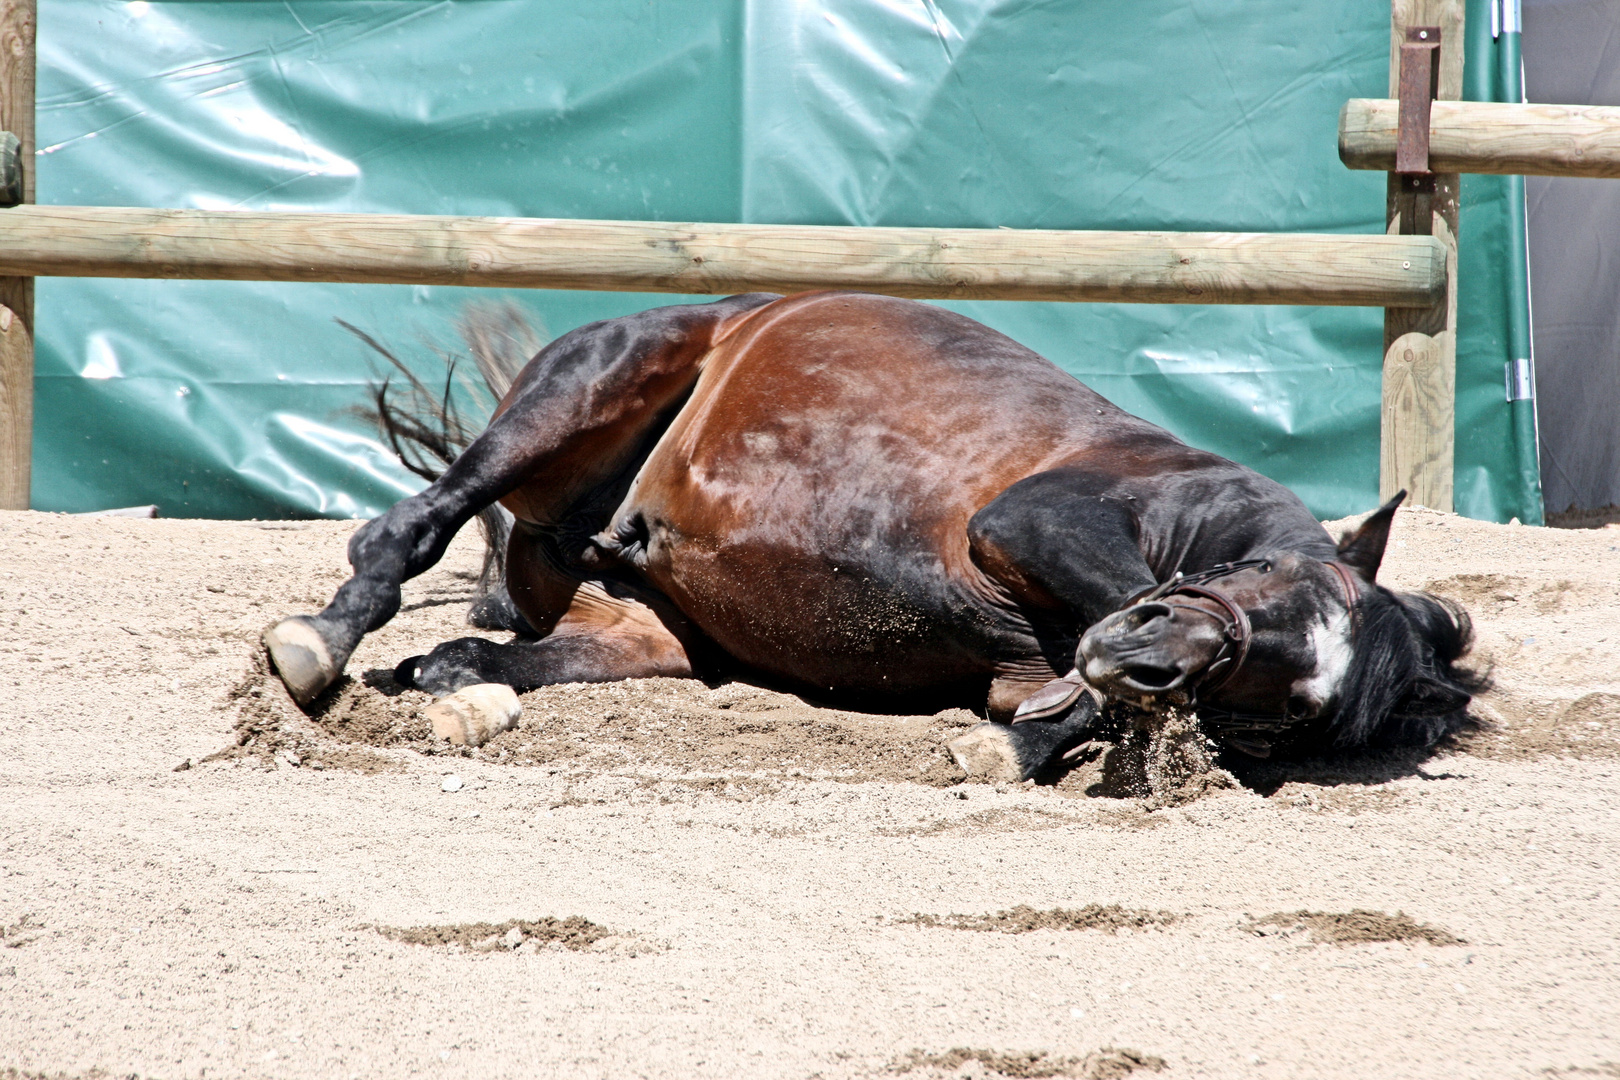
column 609, row 632
column 1030, row 750
column 1066, row 548
column 309, row 652
column 1061, row 541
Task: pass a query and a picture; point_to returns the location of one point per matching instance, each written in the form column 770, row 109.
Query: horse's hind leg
column 573, row 420
column 609, row 632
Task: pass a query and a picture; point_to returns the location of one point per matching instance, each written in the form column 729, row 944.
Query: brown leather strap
column 1237, row 632
column 1352, row 591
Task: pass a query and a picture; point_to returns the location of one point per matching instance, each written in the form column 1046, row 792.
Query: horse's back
column 890, row 403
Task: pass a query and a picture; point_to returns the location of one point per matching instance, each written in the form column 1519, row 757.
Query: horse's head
column 1293, row 647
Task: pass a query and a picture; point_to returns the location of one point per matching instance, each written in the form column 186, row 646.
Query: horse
column 880, row 501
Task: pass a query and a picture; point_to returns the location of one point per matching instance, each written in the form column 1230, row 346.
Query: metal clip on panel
column 1521, row 380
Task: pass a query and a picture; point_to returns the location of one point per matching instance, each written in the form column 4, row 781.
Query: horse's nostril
column 1151, row 676
column 1140, row 615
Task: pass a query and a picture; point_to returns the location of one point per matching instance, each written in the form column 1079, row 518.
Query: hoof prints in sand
column 1108, row 1063
column 574, row 932
column 1023, row 919
column 1357, row 927
column 20, row 933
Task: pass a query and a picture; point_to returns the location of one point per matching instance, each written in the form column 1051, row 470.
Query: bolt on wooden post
column 1417, row 433
column 17, row 21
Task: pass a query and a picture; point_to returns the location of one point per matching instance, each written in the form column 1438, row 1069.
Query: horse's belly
column 873, row 619
column 829, row 562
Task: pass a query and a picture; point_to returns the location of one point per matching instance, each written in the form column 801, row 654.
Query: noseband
column 1236, row 632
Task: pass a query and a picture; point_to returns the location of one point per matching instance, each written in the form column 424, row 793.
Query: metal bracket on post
column 11, row 170
column 1420, row 85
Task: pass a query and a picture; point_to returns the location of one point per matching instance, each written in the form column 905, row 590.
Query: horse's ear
column 1363, row 550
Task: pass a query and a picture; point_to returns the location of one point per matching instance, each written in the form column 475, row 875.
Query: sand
column 666, row 878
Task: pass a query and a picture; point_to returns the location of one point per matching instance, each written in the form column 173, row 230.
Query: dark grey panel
column 1572, row 56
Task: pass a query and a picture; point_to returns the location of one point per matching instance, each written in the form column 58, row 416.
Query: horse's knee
column 406, row 540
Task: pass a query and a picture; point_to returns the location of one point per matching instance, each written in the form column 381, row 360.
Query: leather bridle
column 1236, row 631
column 1240, row 729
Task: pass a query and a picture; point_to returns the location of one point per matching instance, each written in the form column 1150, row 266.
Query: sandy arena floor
column 725, row 881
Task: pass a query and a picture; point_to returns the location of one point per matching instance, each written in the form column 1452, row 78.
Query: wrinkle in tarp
column 229, row 399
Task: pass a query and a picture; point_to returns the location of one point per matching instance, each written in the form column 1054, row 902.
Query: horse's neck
column 1198, row 537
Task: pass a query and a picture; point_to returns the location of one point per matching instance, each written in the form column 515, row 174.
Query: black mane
column 1404, row 686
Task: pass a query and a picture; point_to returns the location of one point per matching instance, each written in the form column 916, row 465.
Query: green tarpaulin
column 228, row 399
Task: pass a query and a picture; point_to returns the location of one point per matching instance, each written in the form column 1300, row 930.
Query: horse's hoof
column 988, row 752
column 475, row 714
column 301, row 658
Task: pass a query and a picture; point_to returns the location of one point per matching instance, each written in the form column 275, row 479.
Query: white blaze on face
column 1331, row 641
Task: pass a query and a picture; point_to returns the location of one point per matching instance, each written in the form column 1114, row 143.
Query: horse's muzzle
column 1148, row 649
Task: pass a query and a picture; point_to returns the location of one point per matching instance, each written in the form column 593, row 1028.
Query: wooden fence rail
column 983, row 264
column 1486, row 137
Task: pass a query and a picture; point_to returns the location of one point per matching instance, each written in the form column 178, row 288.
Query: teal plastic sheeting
column 231, row 399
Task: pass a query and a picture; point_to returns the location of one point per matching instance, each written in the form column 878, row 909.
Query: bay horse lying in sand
column 884, row 502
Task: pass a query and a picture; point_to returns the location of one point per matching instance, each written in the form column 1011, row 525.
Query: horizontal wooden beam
column 640, row 256
column 1486, row 137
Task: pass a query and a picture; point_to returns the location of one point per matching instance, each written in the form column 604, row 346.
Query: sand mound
column 663, row 727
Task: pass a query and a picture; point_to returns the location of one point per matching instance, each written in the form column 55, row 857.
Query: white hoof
column 987, row 752
column 474, row 715
column 300, row 657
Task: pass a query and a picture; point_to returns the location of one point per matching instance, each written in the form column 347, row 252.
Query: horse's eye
column 1300, row 707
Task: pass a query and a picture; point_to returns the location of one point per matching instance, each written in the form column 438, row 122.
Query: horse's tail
column 428, row 426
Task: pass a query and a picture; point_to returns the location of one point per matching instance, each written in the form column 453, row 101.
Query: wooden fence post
column 1417, row 433
column 17, row 21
